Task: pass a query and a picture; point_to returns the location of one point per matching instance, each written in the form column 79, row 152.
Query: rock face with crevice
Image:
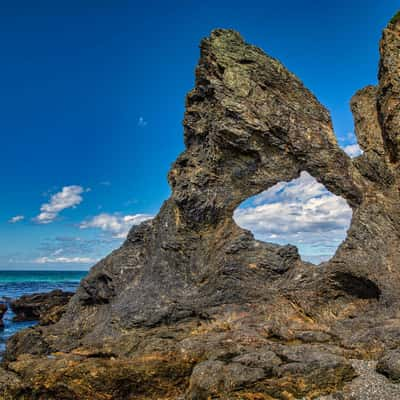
column 191, row 306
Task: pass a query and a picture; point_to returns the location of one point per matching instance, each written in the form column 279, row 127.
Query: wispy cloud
column 117, row 225
column 74, row 249
column 68, row 197
column 64, row 260
column 301, row 212
column 62, row 251
column 353, row 150
column 16, row 219
column 75, row 246
column 142, row 122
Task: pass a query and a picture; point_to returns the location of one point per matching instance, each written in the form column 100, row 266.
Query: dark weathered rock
column 389, row 365
column 213, row 378
column 46, row 307
column 299, row 370
column 3, row 310
column 10, row 385
column 192, row 306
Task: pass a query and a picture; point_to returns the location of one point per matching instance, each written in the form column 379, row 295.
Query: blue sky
column 93, row 95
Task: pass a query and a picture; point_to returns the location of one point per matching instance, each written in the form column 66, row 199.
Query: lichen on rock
column 395, row 18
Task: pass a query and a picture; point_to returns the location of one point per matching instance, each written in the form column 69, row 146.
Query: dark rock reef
column 3, row 310
column 191, row 307
column 46, row 307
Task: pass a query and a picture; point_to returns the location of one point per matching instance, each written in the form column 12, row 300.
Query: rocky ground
column 191, row 307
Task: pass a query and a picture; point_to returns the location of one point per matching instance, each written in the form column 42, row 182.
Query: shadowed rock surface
column 389, row 365
column 191, row 307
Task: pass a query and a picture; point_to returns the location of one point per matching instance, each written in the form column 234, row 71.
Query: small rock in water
column 3, row 310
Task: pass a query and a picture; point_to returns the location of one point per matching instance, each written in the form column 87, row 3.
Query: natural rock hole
column 301, row 212
column 360, row 287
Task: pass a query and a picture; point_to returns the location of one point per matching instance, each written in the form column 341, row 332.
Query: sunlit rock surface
column 191, row 306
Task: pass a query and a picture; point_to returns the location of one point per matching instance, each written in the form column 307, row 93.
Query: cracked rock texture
column 191, row 307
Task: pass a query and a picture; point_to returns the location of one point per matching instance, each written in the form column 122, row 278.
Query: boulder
column 389, row 365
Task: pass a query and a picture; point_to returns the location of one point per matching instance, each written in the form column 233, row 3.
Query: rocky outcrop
column 3, row 310
column 191, row 306
column 46, row 307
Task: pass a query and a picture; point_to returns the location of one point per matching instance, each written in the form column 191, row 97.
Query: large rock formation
column 191, row 306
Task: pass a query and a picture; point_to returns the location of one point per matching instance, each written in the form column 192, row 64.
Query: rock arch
column 249, row 124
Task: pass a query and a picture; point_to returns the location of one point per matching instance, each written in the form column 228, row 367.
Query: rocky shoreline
column 44, row 307
column 191, row 307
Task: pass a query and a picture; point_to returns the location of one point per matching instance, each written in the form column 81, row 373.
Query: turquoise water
column 41, row 276
column 17, row 283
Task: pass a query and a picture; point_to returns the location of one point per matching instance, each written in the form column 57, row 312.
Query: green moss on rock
column 396, row 18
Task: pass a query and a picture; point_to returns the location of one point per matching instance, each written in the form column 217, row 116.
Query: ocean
column 17, row 283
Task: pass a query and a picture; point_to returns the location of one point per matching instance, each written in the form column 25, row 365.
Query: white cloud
column 142, row 122
column 353, row 150
column 64, row 260
column 70, row 196
column 301, row 190
column 16, row 219
column 118, row 225
column 301, row 212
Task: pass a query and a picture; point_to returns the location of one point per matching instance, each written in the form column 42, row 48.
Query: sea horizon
column 45, row 270
column 16, row 283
